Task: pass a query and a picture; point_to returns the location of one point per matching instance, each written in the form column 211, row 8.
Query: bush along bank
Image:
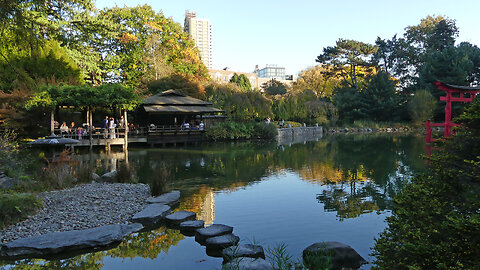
column 242, row 131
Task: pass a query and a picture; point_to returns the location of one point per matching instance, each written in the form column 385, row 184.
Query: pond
column 337, row 188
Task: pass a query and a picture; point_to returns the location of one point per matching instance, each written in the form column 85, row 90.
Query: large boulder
column 95, row 177
column 245, row 250
column 152, row 214
column 170, row 198
column 180, row 216
column 54, row 243
column 110, row 176
column 342, row 256
column 211, row 231
column 247, row 264
column 6, row 182
column 222, row 241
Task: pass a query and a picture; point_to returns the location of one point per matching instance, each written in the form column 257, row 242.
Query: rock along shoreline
column 81, row 207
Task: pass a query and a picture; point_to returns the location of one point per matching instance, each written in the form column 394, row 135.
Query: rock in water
column 342, row 256
column 152, row 214
column 222, row 241
column 214, row 230
column 180, row 216
column 53, row 243
column 246, row 250
column 248, row 264
column 188, row 228
column 169, row 198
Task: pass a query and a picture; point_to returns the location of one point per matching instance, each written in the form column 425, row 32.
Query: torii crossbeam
column 454, row 93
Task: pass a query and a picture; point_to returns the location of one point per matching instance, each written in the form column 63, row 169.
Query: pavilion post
column 90, row 127
column 52, row 121
column 125, row 137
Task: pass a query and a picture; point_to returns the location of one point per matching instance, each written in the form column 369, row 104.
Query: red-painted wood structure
column 454, row 93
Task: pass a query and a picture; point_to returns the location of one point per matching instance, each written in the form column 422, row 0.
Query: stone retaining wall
column 287, row 134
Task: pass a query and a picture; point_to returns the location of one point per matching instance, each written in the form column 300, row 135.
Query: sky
column 292, row 34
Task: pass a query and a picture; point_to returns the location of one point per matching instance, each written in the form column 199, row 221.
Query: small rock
column 246, row 250
column 248, row 264
column 169, row 198
column 180, row 216
column 222, row 241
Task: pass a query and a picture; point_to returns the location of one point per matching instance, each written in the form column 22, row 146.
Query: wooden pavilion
column 173, row 110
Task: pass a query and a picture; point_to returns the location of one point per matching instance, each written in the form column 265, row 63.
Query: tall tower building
column 200, row 30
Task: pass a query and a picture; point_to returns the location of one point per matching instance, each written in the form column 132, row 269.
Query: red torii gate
column 465, row 94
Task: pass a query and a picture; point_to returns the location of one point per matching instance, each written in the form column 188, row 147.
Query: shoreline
column 81, row 207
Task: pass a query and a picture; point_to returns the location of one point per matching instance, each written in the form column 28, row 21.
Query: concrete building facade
column 224, row 76
column 200, row 30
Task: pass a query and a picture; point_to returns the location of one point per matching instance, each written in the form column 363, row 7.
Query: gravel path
column 81, row 207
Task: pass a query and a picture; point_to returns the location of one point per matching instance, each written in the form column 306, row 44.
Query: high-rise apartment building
column 200, row 30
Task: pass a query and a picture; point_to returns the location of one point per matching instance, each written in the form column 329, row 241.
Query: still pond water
column 337, row 188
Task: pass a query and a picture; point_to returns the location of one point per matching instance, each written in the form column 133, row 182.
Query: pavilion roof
column 172, row 97
column 171, row 101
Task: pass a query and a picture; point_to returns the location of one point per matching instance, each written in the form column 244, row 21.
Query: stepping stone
column 170, row 198
column 191, row 225
column 152, row 214
column 214, row 230
column 341, row 255
column 246, row 250
column 69, row 241
column 222, row 241
column 244, row 263
column 180, row 216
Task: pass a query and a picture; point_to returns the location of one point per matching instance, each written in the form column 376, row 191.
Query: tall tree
column 348, row 57
column 321, row 79
column 274, row 87
column 242, row 81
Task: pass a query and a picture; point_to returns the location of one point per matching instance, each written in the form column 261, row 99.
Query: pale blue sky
column 293, row 33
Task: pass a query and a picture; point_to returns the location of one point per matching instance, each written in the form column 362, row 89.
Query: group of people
column 109, row 124
column 199, row 126
column 73, row 130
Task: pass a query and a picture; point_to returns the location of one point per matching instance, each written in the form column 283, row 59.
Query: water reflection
column 355, row 175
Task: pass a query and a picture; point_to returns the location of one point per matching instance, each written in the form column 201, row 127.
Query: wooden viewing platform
column 151, row 136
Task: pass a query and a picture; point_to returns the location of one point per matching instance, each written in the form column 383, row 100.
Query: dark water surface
column 339, row 188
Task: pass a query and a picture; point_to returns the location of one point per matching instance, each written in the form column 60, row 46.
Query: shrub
column 234, row 130
column 15, row 207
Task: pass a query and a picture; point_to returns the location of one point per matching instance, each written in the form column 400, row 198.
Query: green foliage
column 82, row 96
column 350, row 58
column 239, row 104
column 242, row 81
column 274, row 87
column 380, row 102
column 435, row 223
column 15, row 207
column 279, row 257
column 177, row 82
column 236, row 130
column 421, row 106
column 349, row 104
